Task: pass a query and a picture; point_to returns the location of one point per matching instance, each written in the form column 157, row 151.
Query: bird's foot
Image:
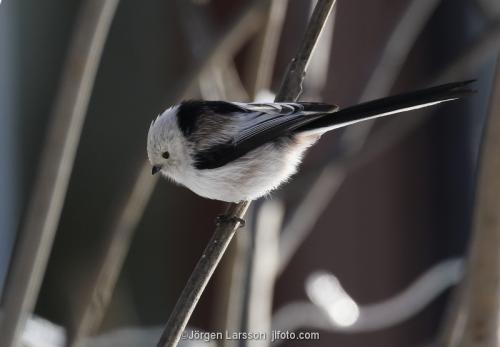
column 224, row 218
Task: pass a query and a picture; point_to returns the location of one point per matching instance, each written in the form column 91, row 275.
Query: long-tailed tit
column 233, row 151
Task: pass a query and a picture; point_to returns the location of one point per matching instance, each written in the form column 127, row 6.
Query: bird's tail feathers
column 389, row 105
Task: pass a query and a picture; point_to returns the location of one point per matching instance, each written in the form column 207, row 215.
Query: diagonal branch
column 291, row 87
column 290, row 90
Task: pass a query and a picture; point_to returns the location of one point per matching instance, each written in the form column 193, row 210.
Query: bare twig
column 332, row 174
column 290, row 90
column 44, row 209
column 200, row 276
column 320, row 62
column 479, row 303
column 291, row 87
column 131, row 208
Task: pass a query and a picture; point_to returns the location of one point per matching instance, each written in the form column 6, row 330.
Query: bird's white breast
column 251, row 176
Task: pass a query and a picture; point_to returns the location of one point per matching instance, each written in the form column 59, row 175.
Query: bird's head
column 166, row 145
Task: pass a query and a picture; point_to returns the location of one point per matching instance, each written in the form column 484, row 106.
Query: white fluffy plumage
column 247, row 178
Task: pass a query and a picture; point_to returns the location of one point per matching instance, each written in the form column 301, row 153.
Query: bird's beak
column 156, row 168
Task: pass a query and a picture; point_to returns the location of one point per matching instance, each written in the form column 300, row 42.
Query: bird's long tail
column 389, row 105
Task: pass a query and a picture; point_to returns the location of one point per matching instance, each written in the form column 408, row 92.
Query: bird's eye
column 165, row 155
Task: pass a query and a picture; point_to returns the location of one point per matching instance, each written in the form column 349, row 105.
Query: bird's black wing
column 272, row 120
column 256, row 124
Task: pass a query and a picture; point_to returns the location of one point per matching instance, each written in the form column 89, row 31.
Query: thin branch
column 317, row 79
column 479, row 303
column 45, row 206
column 291, row 87
column 205, row 267
column 131, row 208
column 200, row 276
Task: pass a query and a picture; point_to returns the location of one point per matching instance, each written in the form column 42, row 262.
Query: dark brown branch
column 58, row 154
column 290, row 90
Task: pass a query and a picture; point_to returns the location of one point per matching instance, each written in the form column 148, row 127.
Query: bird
column 234, row 151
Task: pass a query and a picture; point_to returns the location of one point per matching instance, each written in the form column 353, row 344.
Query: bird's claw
column 221, row 219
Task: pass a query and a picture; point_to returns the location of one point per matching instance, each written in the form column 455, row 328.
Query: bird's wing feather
column 276, row 119
column 258, row 124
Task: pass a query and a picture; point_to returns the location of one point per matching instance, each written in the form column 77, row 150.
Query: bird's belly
column 250, row 177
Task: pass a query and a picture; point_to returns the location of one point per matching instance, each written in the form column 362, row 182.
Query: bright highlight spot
column 344, row 312
column 325, row 291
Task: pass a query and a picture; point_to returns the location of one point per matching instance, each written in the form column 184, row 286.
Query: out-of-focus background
column 372, row 209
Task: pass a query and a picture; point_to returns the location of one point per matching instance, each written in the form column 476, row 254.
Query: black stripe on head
column 190, row 111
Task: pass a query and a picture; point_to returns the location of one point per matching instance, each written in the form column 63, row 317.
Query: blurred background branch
column 263, row 270
column 56, row 163
column 333, row 309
